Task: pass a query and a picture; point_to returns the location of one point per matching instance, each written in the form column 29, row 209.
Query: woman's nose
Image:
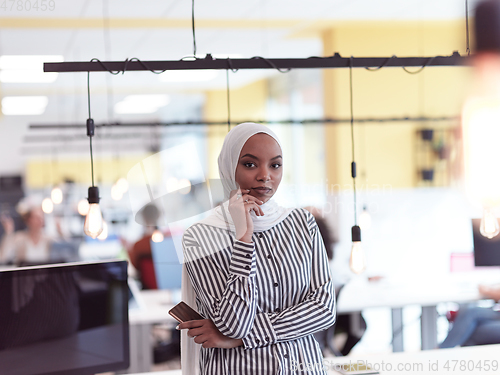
column 264, row 175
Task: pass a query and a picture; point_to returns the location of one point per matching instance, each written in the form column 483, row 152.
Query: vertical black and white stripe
column 273, row 294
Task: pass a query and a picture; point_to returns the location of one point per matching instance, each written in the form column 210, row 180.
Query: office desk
column 456, row 361
column 83, row 349
column 356, row 296
column 156, row 305
column 359, row 294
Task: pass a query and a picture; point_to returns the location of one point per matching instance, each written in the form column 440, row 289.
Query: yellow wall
column 385, row 153
column 248, row 103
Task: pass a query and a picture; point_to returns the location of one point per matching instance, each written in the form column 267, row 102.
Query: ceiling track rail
column 329, row 121
column 335, row 61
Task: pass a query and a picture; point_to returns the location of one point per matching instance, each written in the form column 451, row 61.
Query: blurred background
column 410, row 172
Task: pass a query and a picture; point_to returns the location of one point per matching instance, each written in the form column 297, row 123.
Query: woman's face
column 260, row 166
column 35, row 219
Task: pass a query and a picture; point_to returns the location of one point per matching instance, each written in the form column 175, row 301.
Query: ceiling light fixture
column 93, row 225
column 47, row 206
column 83, row 207
column 56, row 195
column 157, row 236
column 24, row 105
column 357, row 261
column 27, row 68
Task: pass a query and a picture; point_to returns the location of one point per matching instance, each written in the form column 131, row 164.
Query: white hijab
column 220, row 218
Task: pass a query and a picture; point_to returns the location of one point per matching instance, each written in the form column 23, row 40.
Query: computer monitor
column 64, row 319
column 486, row 250
column 168, row 268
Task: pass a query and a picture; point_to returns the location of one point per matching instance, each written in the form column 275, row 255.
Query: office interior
column 170, row 127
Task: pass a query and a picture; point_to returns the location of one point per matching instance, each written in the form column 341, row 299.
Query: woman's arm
column 492, row 292
column 225, row 287
column 315, row 313
column 9, row 242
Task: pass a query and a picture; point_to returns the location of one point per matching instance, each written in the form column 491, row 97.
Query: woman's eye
column 276, row 165
column 249, row 164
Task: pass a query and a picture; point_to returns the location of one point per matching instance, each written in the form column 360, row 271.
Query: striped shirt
column 273, row 293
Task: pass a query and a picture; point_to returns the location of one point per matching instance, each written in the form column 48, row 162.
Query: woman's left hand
column 206, row 333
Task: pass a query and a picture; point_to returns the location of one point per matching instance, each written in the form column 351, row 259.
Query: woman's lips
column 262, row 190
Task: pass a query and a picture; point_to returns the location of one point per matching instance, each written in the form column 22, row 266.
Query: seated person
column 141, row 258
column 29, row 246
column 140, row 252
column 476, row 325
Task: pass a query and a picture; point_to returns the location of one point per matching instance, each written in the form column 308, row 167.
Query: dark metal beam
column 335, row 61
column 234, row 123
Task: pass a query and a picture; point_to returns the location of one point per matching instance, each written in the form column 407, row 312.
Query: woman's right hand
column 241, row 204
column 7, row 223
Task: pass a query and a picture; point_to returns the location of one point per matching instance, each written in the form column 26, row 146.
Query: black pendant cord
column 228, row 102
column 88, row 93
column 90, row 136
column 192, row 25
column 353, row 164
column 467, row 27
column 91, row 162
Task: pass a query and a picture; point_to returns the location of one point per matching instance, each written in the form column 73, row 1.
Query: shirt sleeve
column 315, row 313
column 226, row 290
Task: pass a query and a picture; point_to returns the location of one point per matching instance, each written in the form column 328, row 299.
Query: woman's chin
column 265, row 198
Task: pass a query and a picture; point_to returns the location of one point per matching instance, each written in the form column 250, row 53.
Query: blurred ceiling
column 80, row 30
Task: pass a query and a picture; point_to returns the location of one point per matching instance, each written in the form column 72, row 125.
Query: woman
column 259, row 272
column 30, row 246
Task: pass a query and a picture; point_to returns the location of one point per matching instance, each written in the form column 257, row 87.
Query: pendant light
column 481, row 118
column 116, row 193
column 47, row 206
column 357, row 261
column 83, row 207
column 93, row 225
column 157, row 235
column 56, row 195
column 104, row 233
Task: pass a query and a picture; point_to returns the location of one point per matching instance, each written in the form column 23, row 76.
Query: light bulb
column 93, row 225
column 47, row 206
column 56, row 195
column 93, row 221
column 357, row 261
column 489, row 227
column 104, row 233
column 83, row 207
column 157, row 236
column 122, row 184
column 365, row 219
column 184, row 186
column 116, row 192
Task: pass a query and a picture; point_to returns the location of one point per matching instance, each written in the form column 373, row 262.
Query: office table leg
column 397, row 330
column 141, row 356
column 428, row 327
